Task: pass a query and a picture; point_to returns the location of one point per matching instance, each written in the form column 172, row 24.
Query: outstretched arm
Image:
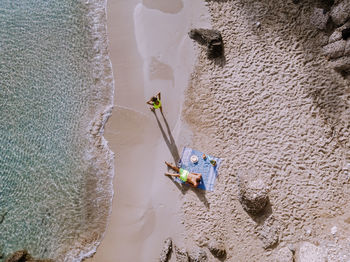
column 158, row 95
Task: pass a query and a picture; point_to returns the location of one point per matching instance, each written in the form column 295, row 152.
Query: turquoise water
column 54, row 190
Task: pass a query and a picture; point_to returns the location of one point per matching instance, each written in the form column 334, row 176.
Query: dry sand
column 277, row 106
column 150, row 53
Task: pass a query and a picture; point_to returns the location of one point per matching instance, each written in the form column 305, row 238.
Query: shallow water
column 52, row 198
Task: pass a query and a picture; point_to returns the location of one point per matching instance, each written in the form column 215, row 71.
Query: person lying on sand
column 190, row 178
column 155, row 103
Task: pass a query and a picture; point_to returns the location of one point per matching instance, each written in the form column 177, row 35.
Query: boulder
column 341, row 64
column 334, row 50
column 180, row 255
column 212, row 39
column 24, row 256
column 319, row 18
column 19, row 256
column 309, row 252
column 253, row 192
column 166, row 251
column 268, row 234
column 198, row 256
column 217, row 249
column 340, row 12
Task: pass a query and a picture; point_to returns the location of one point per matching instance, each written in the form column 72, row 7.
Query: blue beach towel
column 208, row 171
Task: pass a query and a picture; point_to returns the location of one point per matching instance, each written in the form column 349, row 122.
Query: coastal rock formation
column 217, row 249
column 340, row 12
column 253, row 193
column 309, row 252
column 180, row 255
column 320, row 18
column 166, row 251
column 24, row 256
column 198, row 255
column 337, row 49
column 268, row 233
column 210, row 38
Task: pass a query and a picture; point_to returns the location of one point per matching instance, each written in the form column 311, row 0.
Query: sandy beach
column 272, row 104
column 150, row 53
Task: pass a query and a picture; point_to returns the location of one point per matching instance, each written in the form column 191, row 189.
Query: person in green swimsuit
column 190, row 178
column 155, row 103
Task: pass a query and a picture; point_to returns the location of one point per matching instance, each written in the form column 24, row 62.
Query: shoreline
column 147, row 59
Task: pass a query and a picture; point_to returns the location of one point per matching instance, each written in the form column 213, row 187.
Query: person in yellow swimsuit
column 155, row 103
column 185, row 176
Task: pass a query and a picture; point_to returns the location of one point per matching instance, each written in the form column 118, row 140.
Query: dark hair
column 154, row 99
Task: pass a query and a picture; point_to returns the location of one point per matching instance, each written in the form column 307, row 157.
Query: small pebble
column 334, row 230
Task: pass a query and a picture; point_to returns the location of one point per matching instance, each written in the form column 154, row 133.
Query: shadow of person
column 169, row 139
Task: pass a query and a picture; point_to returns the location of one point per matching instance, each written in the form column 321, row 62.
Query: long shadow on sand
column 170, row 142
column 169, row 139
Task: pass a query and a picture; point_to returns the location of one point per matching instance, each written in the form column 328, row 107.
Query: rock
column 341, row 64
column 210, row 38
column 335, row 50
column 334, row 230
column 268, row 235
column 319, row 18
column 217, row 249
column 166, row 251
column 283, row 255
column 24, row 256
column 19, row 256
column 308, row 252
column 340, row 12
column 180, row 255
column 253, row 193
column 198, row 256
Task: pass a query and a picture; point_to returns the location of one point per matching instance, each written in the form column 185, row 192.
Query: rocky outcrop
column 268, row 233
column 212, row 39
column 24, row 256
column 309, row 252
column 320, row 18
column 180, row 255
column 253, row 192
column 166, row 251
column 217, row 249
column 338, row 49
column 340, row 12
column 198, row 255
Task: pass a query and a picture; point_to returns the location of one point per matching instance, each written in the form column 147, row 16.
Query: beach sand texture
column 150, row 53
column 272, row 104
column 275, row 105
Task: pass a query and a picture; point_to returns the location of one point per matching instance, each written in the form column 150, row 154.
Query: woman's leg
column 172, row 167
column 168, row 174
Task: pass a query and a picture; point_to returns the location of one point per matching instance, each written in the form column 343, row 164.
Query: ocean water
column 56, row 87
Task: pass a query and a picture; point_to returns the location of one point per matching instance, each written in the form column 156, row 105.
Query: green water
column 47, row 96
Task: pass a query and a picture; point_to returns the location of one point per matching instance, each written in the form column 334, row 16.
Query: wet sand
column 150, row 52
